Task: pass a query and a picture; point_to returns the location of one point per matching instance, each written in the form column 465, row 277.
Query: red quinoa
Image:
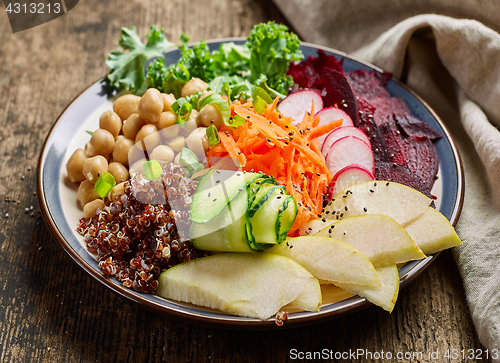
column 145, row 231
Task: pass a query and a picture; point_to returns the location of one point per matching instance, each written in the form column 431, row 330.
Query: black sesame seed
column 366, row 210
column 372, row 191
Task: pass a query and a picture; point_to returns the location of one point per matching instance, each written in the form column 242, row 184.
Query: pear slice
column 329, row 259
column 401, row 203
column 433, row 232
column 308, row 298
column 254, row 285
column 313, row 226
column 378, row 237
column 385, row 295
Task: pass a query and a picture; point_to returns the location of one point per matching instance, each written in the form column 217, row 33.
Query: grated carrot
column 272, row 144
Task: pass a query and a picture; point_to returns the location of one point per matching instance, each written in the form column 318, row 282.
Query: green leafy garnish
column 189, row 160
column 221, row 104
column 152, row 169
column 126, row 68
column 104, row 184
column 272, row 49
column 212, row 135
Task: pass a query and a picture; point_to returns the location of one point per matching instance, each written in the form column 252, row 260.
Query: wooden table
column 51, row 311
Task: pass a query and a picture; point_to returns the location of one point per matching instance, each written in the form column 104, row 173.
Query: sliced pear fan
column 329, row 259
column 378, row 237
column 246, row 284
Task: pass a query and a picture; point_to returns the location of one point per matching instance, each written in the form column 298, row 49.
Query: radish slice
column 348, row 176
column 349, row 150
column 329, row 114
column 341, row 132
column 297, row 104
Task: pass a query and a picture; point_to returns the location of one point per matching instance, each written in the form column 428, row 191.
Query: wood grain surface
column 51, row 311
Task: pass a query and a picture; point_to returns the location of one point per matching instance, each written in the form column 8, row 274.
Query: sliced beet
column 366, row 123
column 369, row 84
column 386, row 107
column 303, row 73
column 416, row 128
column 336, row 91
column 402, row 175
column 422, row 159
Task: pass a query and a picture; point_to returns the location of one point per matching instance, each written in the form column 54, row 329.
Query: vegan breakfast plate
column 58, row 198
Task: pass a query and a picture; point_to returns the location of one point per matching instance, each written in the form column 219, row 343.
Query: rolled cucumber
column 240, row 212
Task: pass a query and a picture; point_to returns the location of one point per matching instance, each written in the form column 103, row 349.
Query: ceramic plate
column 58, row 199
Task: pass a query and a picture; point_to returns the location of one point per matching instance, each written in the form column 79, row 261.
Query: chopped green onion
column 226, row 91
column 104, row 184
column 259, row 105
column 189, row 160
column 89, row 132
column 152, row 169
column 213, row 135
column 220, row 103
column 259, row 91
column 183, row 75
column 183, row 109
column 238, row 120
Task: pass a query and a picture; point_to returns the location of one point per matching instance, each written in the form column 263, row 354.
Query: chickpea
column 118, row 189
column 151, row 105
column 166, row 119
column 134, row 154
column 119, row 172
column 92, row 208
column 126, row 105
column 209, row 115
column 137, row 167
column 177, row 143
column 86, row 193
column 190, row 125
column 163, row 154
column 177, row 159
column 94, row 167
column 102, row 142
column 120, row 152
column 168, row 99
column 192, row 86
column 110, row 121
column 148, row 137
column 204, row 94
column 132, row 125
column 74, row 166
column 197, row 141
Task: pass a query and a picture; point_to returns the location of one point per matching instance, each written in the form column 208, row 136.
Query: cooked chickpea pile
column 136, row 129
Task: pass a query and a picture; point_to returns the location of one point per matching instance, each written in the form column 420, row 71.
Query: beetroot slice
column 386, row 107
column 369, row 84
column 336, row 91
column 422, row 159
column 303, row 73
column 367, row 124
column 402, row 175
column 416, row 128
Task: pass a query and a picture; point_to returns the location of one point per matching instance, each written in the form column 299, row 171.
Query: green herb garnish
column 104, row 184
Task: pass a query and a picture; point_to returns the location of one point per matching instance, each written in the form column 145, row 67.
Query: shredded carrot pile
column 271, row 144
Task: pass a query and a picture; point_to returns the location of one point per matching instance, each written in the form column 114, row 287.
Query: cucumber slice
column 268, row 191
column 216, row 190
column 266, row 221
column 225, row 232
column 286, row 218
column 256, row 188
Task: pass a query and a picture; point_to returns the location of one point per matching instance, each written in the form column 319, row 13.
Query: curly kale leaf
column 272, row 49
column 126, row 68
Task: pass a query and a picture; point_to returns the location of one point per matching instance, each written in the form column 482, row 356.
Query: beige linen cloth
column 453, row 62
